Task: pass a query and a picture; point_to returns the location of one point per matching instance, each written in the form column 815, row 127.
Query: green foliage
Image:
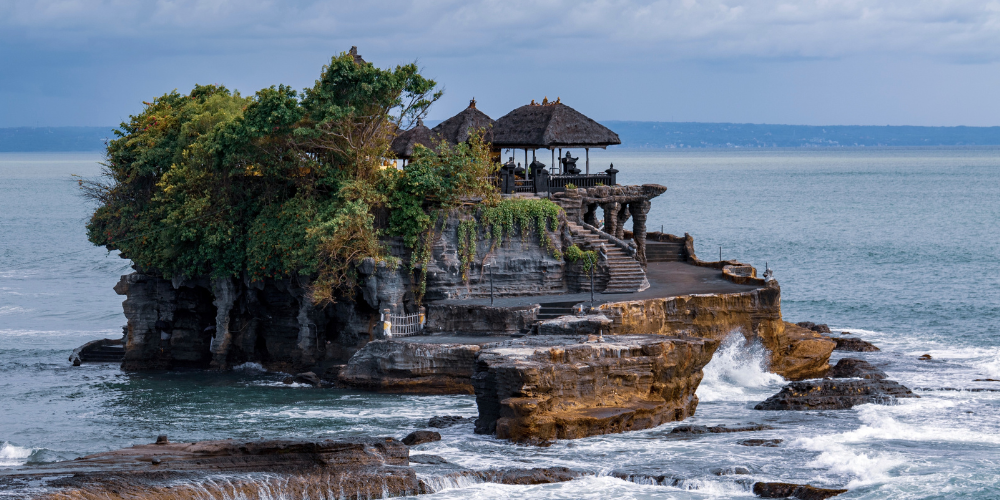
column 589, row 258
column 570, row 185
column 213, row 183
column 524, row 213
column 467, row 232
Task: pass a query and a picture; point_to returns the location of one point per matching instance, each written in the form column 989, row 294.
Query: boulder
column 801, row 353
column 540, row 388
column 427, row 460
column 729, row 471
column 854, row 344
column 308, row 378
column 818, row 328
column 799, row 491
column 420, row 437
column 855, row 368
column 442, row 421
column 767, row 443
column 834, row 394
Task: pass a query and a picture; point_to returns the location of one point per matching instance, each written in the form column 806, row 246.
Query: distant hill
column 652, row 135
column 53, row 139
column 746, row 135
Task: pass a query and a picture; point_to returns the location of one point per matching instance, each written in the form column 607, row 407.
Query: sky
column 818, row 62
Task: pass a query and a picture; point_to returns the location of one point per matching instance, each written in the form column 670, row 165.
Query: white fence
column 402, row 325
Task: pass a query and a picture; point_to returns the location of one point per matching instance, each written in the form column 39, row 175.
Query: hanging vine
column 589, row 258
column 500, row 220
column 468, row 231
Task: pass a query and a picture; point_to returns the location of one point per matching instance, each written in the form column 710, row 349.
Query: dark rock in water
column 421, row 437
column 162, row 439
column 766, row 443
column 925, row 357
column 821, row 328
column 986, row 380
column 427, row 459
column 854, row 344
column 501, row 476
column 855, row 368
column 308, row 378
column 442, row 421
column 834, row 394
column 729, row 471
column 788, row 490
column 718, row 429
column 358, row 467
column 689, row 429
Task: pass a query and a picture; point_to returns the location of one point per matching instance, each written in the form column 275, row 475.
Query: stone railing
column 627, row 248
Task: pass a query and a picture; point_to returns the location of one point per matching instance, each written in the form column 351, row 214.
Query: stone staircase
column 660, row 251
column 552, row 310
column 627, row 275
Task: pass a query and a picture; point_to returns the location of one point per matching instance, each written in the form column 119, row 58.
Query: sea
column 898, row 246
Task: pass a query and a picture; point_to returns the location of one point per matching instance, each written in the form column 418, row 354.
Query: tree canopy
column 281, row 182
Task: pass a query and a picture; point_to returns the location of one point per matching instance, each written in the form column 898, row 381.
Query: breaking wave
column 11, row 455
column 738, row 371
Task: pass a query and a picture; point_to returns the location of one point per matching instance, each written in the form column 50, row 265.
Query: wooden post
column 561, row 171
column 552, row 167
column 588, row 159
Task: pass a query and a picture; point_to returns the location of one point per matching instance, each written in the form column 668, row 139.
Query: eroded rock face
column 796, row 353
column 542, row 388
column 834, row 394
column 591, row 324
column 481, row 320
column 399, row 366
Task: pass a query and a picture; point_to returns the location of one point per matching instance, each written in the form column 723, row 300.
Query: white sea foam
column 11, row 455
column 991, row 367
column 250, row 367
column 5, row 310
column 737, row 372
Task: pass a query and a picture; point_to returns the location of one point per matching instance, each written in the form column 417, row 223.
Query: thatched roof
column 550, row 125
column 456, row 129
column 403, row 144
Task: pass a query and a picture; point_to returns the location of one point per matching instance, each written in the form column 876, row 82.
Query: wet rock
column 591, row 324
column 162, row 439
column 406, row 367
column 854, row 344
column 358, row 467
column 729, row 471
column 818, row 328
column 834, row 394
column 925, row 357
column 767, row 443
column 501, row 476
column 308, row 378
column 442, row 421
column 541, row 388
column 420, row 437
column 799, row 491
column 427, row 460
column 718, row 429
column 855, row 368
column 801, row 353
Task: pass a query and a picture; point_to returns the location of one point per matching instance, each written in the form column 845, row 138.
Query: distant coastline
column 635, row 135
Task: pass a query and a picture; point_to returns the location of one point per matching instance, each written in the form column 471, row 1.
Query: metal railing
column 580, row 181
column 403, row 325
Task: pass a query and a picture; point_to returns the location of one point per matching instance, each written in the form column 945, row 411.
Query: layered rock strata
column 408, row 367
column 796, row 353
column 538, row 389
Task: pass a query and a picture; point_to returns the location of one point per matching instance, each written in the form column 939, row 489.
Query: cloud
column 961, row 30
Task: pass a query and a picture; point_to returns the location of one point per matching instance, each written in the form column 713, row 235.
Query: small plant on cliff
column 589, row 258
column 570, row 185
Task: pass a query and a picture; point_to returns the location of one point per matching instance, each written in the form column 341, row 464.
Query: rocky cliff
column 543, row 388
column 796, row 353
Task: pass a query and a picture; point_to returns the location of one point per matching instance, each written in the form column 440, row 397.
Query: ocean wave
column 250, row 367
column 738, row 371
column 11, row 455
column 5, row 310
